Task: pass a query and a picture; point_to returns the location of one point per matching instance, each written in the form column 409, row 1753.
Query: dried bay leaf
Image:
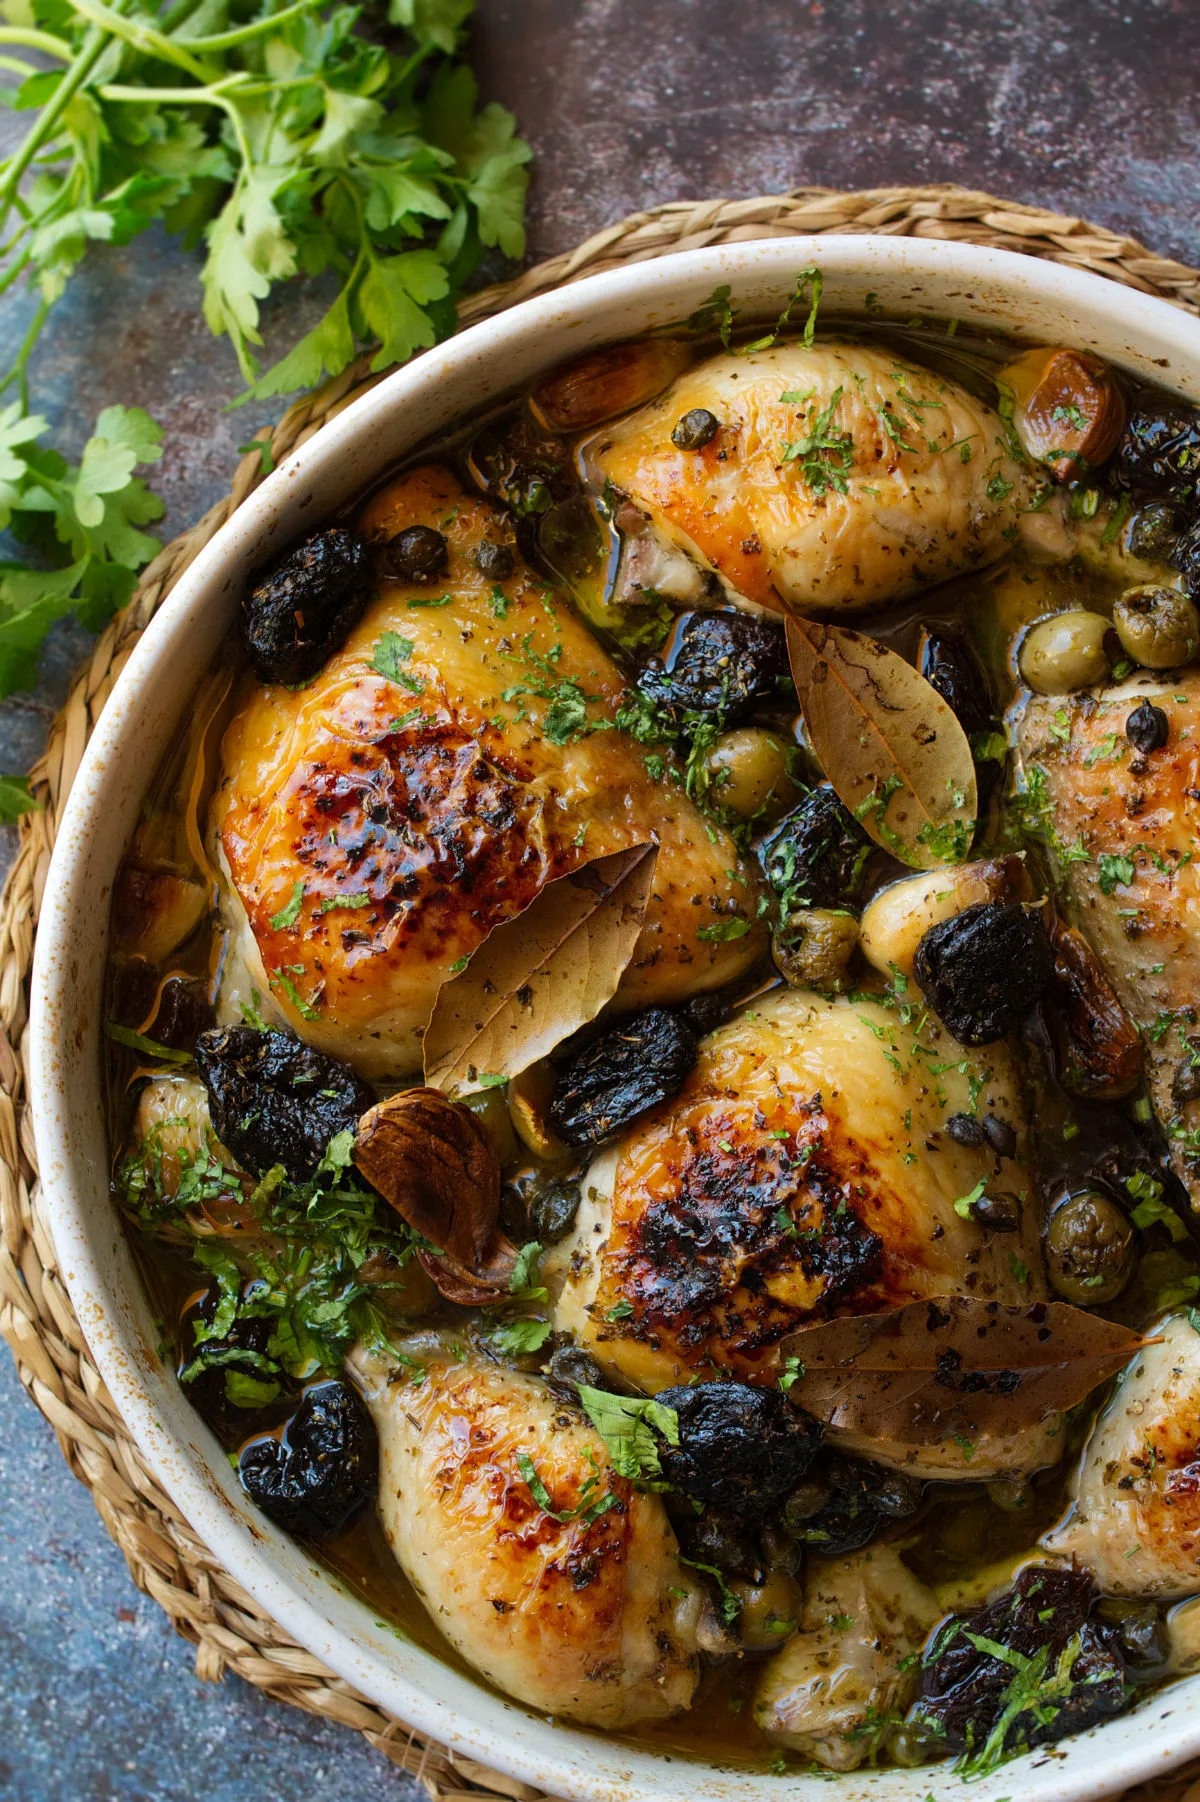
column 540, row 976
column 955, row 1372
column 891, row 746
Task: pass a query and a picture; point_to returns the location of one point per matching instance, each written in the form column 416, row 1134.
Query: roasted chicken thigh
column 455, row 756
column 840, row 477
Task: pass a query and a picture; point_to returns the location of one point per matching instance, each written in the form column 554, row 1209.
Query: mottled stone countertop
column 1086, row 109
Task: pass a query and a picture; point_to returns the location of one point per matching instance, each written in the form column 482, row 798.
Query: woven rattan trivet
column 165, row 1558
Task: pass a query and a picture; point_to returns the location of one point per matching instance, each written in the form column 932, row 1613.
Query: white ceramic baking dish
column 1036, row 300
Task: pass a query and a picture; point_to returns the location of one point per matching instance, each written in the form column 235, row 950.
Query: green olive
column 491, row 1110
column 1065, row 651
column 1089, row 1249
column 909, row 1745
column 770, row 1611
column 813, row 947
column 1158, row 627
column 748, row 769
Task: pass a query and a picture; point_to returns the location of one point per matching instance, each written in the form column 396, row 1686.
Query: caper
column 813, row 947
column 770, row 1611
column 997, row 1212
column 419, row 554
column 964, row 1129
column 570, row 1366
column 1158, row 627
column 1012, row 1495
column 695, row 429
column 1001, row 1136
column 1142, row 1635
column 493, row 560
column 806, row 1500
column 1089, row 1249
column 1147, row 728
column 908, row 1745
column 1185, row 1084
column 1064, row 652
column 748, row 769
column 1153, row 532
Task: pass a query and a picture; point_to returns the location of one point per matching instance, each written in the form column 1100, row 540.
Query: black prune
column 816, row 856
column 740, row 1445
column 707, row 1012
column 695, row 429
column 1064, row 1671
column 845, row 1503
column 315, row 1474
column 983, row 969
column 949, row 664
column 184, row 1012
column 300, row 611
column 418, row 554
column 626, row 1071
column 1159, row 452
column 274, row 1100
column 204, row 1363
column 722, row 663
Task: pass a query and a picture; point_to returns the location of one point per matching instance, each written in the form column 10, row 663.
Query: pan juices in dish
column 650, row 1043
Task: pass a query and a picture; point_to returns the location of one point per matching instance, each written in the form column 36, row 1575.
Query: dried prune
column 983, row 969
column 816, row 856
column 274, row 1100
column 723, row 1537
column 298, row 614
column 1159, row 452
column 241, row 1353
column 626, row 1071
column 1063, row 1669
column 314, row 1475
column 845, row 1503
column 947, row 661
column 721, row 664
column 740, row 1445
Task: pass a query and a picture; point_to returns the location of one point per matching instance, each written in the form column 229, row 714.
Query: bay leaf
column 891, row 746
column 540, row 976
column 952, row 1370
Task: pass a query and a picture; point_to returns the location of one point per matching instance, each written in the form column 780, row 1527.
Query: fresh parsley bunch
column 285, row 139
column 288, row 139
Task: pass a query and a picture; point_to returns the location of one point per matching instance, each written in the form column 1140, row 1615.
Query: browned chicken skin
column 1125, row 831
column 412, row 811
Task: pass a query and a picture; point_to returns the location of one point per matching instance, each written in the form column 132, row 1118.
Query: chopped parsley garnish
column 137, row 1041
column 628, row 1424
column 289, row 913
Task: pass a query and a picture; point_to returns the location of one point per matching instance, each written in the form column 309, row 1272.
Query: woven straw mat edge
column 165, row 1558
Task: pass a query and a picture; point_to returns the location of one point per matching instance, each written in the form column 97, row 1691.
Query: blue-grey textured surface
column 1090, row 109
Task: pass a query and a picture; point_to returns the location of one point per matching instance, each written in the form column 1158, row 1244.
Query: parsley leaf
column 627, row 1425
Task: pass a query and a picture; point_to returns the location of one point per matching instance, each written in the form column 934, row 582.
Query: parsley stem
column 27, row 343
column 30, row 39
column 225, row 40
column 92, row 49
column 142, row 37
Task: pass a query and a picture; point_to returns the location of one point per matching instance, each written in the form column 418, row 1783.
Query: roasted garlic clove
column 1099, row 1049
column 1067, row 409
column 896, row 919
column 434, row 1161
column 602, row 383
